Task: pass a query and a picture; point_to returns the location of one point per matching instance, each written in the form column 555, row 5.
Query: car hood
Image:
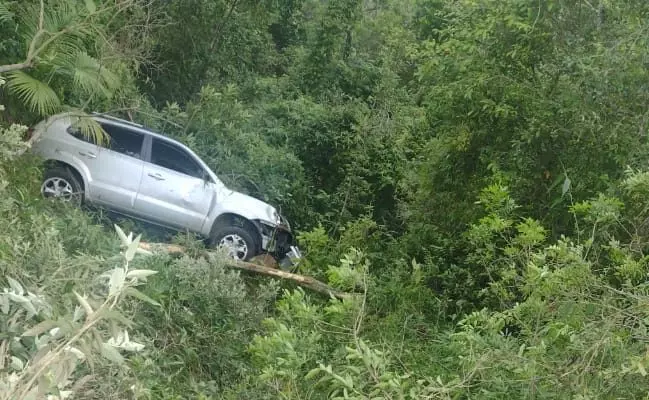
column 249, row 207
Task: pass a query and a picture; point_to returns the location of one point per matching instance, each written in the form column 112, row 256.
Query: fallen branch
column 304, row 281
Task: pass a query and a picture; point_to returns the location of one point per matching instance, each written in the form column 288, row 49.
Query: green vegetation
column 475, row 169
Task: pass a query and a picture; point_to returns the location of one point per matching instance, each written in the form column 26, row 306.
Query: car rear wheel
column 239, row 242
column 61, row 184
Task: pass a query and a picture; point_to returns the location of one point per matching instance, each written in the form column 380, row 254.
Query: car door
column 175, row 189
column 115, row 167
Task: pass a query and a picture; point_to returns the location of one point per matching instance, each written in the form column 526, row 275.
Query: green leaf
column 122, row 236
column 90, row 75
column 140, row 273
column 17, row 363
column 132, row 249
column 91, row 129
column 17, row 298
column 4, row 304
column 91, row 6
column 15, row 285
column 114, row 315
column 111, row 353
column 29, row 307
column 84, row 303
column 130, row 291
column 555, row 183
column 116, row 282
column 36, row 95
column 5, row 14
column 556, row 202
column 566, row 186
column 312, row 374
column 40, row 328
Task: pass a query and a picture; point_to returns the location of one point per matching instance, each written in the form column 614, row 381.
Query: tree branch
column 15, row 67
column 219, row 29
column 33, row 51
column 302, row 280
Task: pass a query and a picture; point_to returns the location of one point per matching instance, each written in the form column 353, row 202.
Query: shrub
column 197, row 339
column 47, row 340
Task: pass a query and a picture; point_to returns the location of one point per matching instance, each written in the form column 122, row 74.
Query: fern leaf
column 36, row 95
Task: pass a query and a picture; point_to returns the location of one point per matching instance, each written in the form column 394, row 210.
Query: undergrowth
column 556, row 318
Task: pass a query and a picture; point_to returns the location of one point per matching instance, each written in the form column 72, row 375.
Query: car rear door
column 115, row 166
column 175, row 190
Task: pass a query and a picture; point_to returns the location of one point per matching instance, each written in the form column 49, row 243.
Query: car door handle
column 156, row 176
column 89, row 155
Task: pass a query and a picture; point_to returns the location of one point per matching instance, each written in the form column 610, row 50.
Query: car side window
column 168, row 155
column 121, row 140
column 124, row 141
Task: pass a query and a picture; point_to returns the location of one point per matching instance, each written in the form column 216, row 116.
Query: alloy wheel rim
column 58, row 188
column 235, row 245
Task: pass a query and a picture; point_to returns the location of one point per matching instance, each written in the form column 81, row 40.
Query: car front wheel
column 238, row 242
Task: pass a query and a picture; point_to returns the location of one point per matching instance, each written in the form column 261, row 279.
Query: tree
column 64, row 49
column 528, row 94
column 201, row 42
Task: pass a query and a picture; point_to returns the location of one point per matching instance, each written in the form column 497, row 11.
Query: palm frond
column 61, row 18
column 61, row 54
column 62, row 15
column 70, row 16
column 36, row 95
column 92, row 77
column 60, row 57
column 27, row 18
column 86, row 72
column 90, row 128
column 5, row 14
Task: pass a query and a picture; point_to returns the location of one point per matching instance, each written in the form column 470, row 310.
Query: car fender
column 47, row 148
column 231, row 202
column 74, row 162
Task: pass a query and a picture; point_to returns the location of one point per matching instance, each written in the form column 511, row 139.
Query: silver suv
column 145, row 175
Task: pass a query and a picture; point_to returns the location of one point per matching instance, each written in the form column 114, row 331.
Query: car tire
column 62, row 184
column 242, row 244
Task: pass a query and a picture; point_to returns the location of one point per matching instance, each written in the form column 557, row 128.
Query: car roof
column 133, row 125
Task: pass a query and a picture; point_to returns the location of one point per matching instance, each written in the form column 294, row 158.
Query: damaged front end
column 279, row 241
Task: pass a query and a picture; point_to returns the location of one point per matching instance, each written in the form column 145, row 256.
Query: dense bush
column 199, row 333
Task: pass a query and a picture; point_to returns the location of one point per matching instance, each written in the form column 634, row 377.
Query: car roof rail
column 117, row 119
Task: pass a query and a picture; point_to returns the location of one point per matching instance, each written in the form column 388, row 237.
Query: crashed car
column 148, row 176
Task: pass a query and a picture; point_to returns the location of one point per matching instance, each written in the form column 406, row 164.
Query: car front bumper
column 279, row 241
column 291, row 259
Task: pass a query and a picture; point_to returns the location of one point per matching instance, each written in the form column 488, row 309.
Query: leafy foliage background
column 475, row 169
